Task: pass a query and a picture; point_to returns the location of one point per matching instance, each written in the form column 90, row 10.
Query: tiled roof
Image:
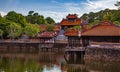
column 105, row 28
column 57, row 27
column 47, row 35
column 66, row 22
column 43, row 27
column 71, row 32
column 72, row 16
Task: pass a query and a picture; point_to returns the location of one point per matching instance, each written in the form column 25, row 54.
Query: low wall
column 102, row 53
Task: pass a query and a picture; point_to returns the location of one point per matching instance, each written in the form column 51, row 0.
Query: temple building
column 75, row 39
column 70, row 21
column 105, row 31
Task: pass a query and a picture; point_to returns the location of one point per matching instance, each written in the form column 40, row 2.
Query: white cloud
column 89, row 6
column 57, row 16
column 72, row 7
column 58, row 11
column 3, row 13
column 80, row 8
column 97, row 5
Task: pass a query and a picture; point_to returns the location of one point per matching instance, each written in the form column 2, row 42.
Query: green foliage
column 77, row 27
column 117, row 23
column 18, row 65
column 50, row 28
column 32, row 66
column 85, row 16
column 17, row 18
column 108, row 16
column 14, row 23
column 35, row 18
column 30, row 12
column 13, row 30
column 93, row 23
column 112, row 15
column 116, row 15
column 0, row 16
column 50, row 20
column 3, row 24
column 31, row 30
column 1, row 32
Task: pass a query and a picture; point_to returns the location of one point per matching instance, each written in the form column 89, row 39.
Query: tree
column 93, row 23
column 3, row 24
column 35, row 18
column 117, row 23
column 50, row 20
column 116, row 15
column 31, row 30
column 17, row 18
column 50, row 28
column 77, row 27
column 85, row 16
column 41, row 20
column 117, row 4
column 1, row 33
column 108, row 16
column 30, row 12
column 13, row 30
column 0, row 16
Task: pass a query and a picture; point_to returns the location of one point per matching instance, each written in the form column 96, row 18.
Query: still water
column 52, row 62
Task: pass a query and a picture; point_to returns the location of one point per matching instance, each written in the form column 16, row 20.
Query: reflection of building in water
column 75, row 61
column 18, row 62
column 47, row 57
column 74, row 57
column 47, row 40
column 75, row 50
column 40, row 57
column 76, row 68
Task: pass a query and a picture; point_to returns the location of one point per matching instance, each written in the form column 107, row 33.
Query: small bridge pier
column 75, row 49
column 75, row 55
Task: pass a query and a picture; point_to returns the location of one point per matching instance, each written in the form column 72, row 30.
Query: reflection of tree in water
column 19, row 65
column 53, row 62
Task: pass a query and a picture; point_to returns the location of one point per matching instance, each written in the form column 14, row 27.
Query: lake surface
column 51, row 62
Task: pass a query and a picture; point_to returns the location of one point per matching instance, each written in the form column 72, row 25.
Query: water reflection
column 19, row 65
column 54, row 68
column 52, row 62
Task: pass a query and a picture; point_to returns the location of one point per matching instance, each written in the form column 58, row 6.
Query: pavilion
column 70, row 21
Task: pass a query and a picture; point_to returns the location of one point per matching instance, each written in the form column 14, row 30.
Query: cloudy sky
column 57, row 9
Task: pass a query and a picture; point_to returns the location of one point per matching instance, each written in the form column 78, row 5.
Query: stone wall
column 103, row 54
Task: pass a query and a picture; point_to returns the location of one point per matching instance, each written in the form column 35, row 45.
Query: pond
column 51, row 62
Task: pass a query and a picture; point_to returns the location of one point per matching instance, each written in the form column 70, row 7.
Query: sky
column 56, row 9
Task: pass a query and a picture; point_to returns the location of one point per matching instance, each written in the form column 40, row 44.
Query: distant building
column 70, row 21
